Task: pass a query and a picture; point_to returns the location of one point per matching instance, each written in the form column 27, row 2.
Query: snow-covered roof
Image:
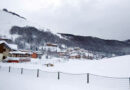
column 89, row 54
column 74, row 54
column 59, row 50
column 38, row 52
column 11, row 46
column 3, row 42
column 17, row 58
column 18, row 52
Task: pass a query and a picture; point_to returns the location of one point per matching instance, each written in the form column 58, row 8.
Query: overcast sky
column 108, row 19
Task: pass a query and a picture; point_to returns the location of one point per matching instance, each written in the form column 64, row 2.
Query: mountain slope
column 7, row 20
column 29, row 36
column 97, row 44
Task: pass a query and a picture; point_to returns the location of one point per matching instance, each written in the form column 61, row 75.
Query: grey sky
column 109, row 19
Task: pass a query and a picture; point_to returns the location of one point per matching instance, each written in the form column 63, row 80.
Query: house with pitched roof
column 5, row 48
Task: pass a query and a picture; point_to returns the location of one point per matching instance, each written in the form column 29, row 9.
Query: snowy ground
column 48, row 81
column 117, row 67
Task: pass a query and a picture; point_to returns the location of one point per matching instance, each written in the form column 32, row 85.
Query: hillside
column 28, row 36
column 7, row 20
column 101, row 45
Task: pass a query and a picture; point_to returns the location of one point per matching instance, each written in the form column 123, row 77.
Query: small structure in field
column 49, row 65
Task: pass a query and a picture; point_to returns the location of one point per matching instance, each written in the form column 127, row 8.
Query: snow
column 8, row 20
column 74, row 54
column 48, row 81
column 105, row 74
column 113, row 67
column 17, row 58
column 60, row 36
column 12, row 46
column 19, row 52
column 2, row 42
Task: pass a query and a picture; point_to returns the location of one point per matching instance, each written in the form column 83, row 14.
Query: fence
column 77, row 78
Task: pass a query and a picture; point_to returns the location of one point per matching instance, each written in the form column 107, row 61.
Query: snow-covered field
column 73, row 76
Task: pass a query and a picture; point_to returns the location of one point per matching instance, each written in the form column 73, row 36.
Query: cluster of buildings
column 53, row 50
column 10, row 53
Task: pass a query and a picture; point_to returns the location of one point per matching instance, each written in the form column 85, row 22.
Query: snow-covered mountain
column 7, row 20
column 30, row 36
column 14, row 26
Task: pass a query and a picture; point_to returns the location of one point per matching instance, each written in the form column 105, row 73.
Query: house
column 74, row 56
column 63, row 54
column 33, row 54
column 18, row 56
column 37, row 54
column 88, row 56
column 49, row 47
column 22, row 56
column 5, row 48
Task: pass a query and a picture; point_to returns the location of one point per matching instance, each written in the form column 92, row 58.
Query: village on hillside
column 9, row 52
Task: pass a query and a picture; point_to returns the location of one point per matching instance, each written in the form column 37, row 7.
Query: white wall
column 1, row 57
